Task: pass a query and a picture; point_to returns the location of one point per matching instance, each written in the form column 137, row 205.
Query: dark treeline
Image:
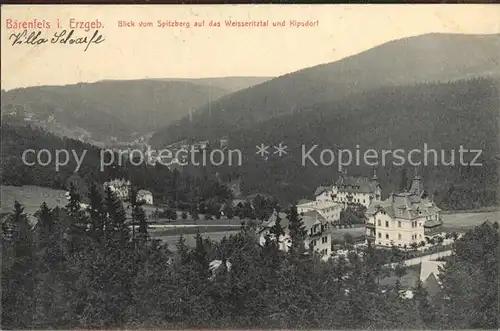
column 87, row 269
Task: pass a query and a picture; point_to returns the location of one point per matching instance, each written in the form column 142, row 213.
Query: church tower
column 376, row 185
column 417, row 185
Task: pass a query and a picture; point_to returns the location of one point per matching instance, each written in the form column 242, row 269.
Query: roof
column 432, row 223
column 428, row 268
column 313, row 214
column 236, row 202
column 144, row 192
column 404, row 205
column 272, row 220
column 303, row 201
column 432, row 285
column 320, row 190
column 356, row 184
column 311, row 218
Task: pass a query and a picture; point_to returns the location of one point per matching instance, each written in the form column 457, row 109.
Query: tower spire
column 417, row 186
column 416, row 175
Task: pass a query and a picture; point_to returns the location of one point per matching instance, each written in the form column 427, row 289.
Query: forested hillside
column 166, row 186
column 442, row 115
column 419, row 59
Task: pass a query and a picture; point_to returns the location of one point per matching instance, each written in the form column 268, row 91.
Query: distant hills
column 230, row 84
column 108, row 108
column 426, row 58
column 123, row 109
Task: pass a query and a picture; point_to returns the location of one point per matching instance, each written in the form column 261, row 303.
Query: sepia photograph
column 240, row 167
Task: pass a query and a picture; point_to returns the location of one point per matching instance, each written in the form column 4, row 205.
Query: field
column 188, row 229
column 31, row 197
column 190, row 239
column 465, row 220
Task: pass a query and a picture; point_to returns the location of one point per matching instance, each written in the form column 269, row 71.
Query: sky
column 197, row 52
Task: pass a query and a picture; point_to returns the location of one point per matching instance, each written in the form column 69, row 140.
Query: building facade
column 351, row 190
column 403, row 219
column 120, row 187
column 145, row 196
column 318, row 232
column 360, row 190
column 328, row 209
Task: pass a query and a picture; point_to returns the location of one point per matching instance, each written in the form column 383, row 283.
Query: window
column 386, row 224
column 324, row 240
column 399, row 224
column 380, row 235
column 420, row 224
column 386, row 236
column 399, row 236
column 379, row 223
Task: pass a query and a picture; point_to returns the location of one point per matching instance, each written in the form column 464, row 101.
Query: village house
column 350, row 189
column 318, row 232
column 429, row 276
column 120, row 187
column 403, row 219
column 361, row 190
column 145, row 196
column 329, row 210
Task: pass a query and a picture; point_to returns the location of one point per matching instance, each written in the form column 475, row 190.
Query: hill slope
column 230, row 84
column 442, row 115
column 107, row 108
column 432, row 57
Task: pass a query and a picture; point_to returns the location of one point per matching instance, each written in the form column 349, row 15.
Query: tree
column 182, row 249
column 414, row 246
column 46, row 222
column 470, row 280
column 96, row 212
column 200, row 258
column 277, row 231
column 195, row 215
column 117, row 231
column 228, row 210
column 18, row 273
column 348, row 240
column 425, row 310
column 297, row 232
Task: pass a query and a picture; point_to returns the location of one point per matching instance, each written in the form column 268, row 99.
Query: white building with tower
column 403, row 218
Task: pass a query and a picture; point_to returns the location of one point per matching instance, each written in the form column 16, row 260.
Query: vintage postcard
column 250, row 166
